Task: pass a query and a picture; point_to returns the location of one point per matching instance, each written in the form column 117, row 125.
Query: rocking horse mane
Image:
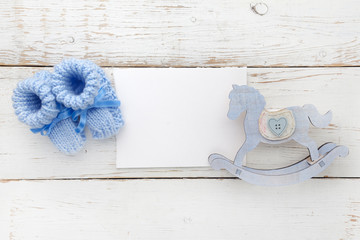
column 247, row 97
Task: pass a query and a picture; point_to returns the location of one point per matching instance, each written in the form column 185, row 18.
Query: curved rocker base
column 292, row 174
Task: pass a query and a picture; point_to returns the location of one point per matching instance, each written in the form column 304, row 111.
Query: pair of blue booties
column 60, row 104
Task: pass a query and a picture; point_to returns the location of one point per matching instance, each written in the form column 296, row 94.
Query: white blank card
column 176, row 117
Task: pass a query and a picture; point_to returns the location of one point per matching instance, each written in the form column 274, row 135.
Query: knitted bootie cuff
column 76, row 83
column 34, row 102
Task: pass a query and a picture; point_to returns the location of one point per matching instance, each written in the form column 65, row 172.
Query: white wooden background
column 298, row 52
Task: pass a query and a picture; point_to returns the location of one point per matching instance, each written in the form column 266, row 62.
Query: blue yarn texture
column 74, row 85
column 34, row 102
column 35, row 105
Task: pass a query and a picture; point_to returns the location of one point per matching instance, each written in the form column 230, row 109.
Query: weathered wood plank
column 180, row 33
column 24, row 155
column 179, row 209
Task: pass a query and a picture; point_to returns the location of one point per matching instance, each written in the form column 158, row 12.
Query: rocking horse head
column 244, row 98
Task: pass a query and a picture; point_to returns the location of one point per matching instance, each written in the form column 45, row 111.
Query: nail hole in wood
column 259, row 8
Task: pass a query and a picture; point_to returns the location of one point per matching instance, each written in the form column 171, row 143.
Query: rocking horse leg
column 311, row 145
column 246, row 147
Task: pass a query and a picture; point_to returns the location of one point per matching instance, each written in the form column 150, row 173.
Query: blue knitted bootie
column 35, row 105
column 82, row 86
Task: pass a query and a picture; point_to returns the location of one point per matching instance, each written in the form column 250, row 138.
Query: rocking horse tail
column 316, row 118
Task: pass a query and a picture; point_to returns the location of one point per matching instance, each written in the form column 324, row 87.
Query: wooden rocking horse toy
column 260, row 125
